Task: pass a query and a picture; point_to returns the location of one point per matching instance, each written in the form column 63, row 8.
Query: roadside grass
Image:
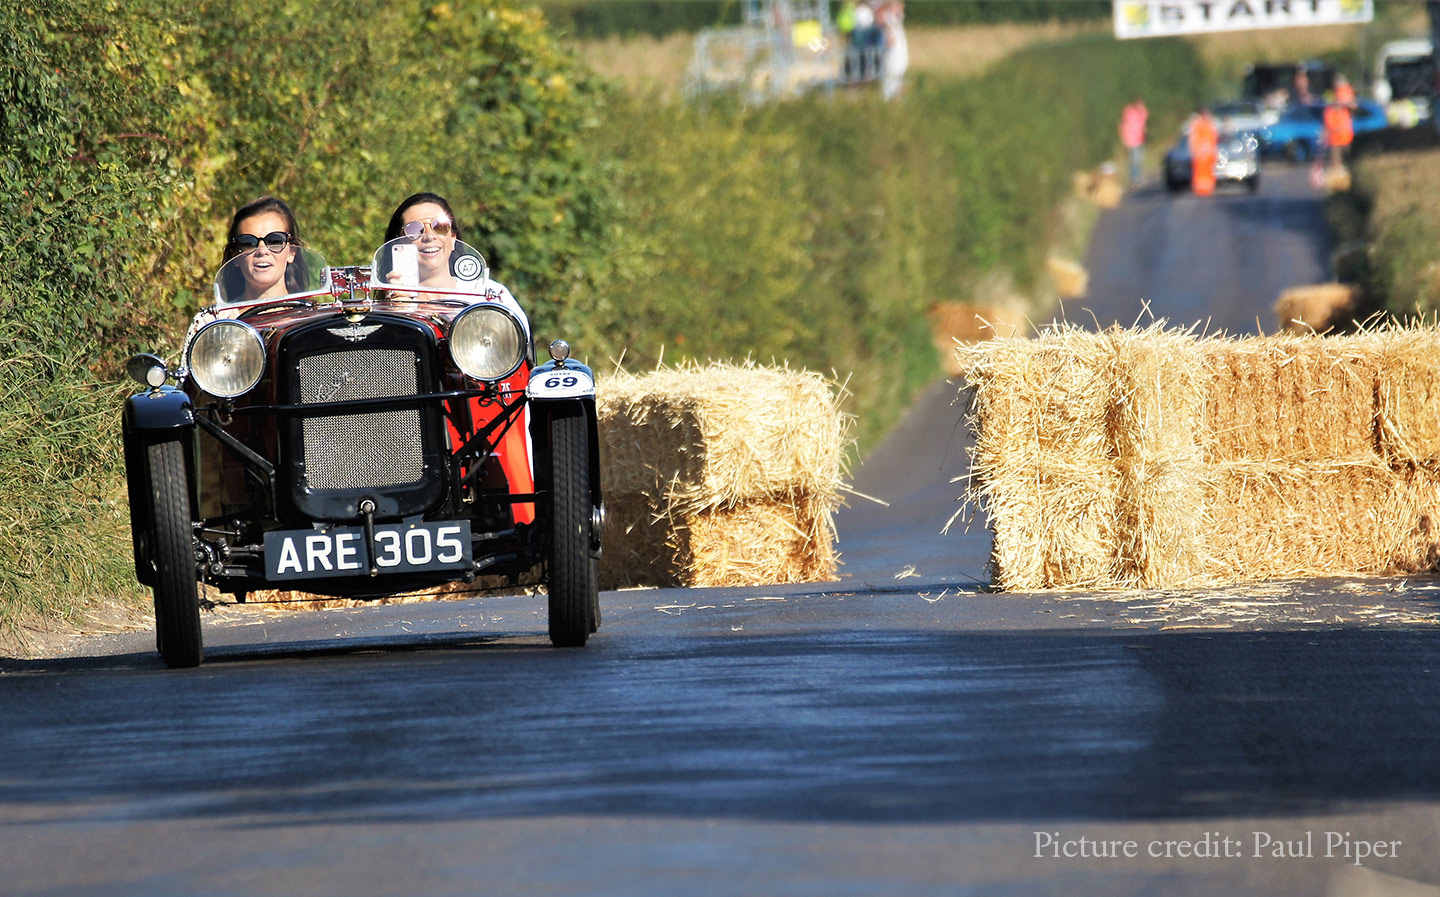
column 657, row 64
column 65, row 536
column 1226, row 53
column 1391, row 215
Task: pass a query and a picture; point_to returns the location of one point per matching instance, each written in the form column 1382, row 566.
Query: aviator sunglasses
column 273, row 241
column 440, row 227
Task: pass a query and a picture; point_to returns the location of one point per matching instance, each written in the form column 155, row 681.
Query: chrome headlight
column 487, row 342
column 227, row 358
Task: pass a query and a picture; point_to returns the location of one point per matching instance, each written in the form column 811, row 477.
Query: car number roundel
column 561, row 383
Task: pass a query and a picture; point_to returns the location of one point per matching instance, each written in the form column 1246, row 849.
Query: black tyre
column 1252, row 183
column 177, row 604
column 574, row 595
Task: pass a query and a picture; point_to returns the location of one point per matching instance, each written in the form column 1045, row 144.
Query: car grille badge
column 354, row 332
column 343, row 380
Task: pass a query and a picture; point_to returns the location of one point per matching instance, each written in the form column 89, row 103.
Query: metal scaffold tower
column 782, row 49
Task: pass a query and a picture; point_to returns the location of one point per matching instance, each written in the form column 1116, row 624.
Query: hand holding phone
column 404, row 265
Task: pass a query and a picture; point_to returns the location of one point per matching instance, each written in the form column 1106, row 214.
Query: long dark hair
column 296, row 275
column 396, row 228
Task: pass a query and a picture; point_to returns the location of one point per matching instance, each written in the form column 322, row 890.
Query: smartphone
column 405, row 264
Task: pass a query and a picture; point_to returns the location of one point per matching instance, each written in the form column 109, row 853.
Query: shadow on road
column 884, row 725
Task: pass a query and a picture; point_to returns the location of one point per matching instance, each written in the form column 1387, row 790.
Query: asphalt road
column 1216, row 263
column 900, row 732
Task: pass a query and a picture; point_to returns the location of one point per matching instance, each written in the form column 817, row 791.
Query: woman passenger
column 426, row 218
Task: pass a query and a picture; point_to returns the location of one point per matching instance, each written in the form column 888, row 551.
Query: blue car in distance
column 1300, row 133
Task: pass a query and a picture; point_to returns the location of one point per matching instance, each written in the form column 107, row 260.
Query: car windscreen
column 1410, row 76
column 270, row 271
column 429, row 263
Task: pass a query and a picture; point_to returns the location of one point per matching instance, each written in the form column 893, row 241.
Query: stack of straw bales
column 1069, row 276
column 1153, row 458
column 1101, row 187
column 967, row 322
column 1316, row 308
column 720, row 475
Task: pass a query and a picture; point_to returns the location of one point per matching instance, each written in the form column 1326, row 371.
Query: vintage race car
column 364, row 432
column 1237, row 161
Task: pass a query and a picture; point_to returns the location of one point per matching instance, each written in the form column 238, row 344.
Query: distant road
column 1219, row 261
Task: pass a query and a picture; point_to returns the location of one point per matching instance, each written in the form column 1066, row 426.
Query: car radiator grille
column 361, row 451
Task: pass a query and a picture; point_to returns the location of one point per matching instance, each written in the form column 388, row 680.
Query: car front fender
column 166, row 408
column 551, row 381
column 149, row 415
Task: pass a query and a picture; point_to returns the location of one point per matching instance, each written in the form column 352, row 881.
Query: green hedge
column 133, row 130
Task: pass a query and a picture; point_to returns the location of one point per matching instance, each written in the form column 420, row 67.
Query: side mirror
column 147, row 370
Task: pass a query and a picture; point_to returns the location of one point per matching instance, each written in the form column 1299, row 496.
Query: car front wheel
column 574, row 592
column 177, row 605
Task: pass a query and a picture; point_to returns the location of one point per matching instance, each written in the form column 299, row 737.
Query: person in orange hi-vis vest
column 1204, row 142
column 1344, row 91
column 1339, row 132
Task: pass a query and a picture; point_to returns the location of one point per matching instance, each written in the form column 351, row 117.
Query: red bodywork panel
column 512, row 451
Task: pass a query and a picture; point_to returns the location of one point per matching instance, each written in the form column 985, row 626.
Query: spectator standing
column 1204, row 142
column 845, row 22
column 866, row 41
column 1344, row 91
column 1302, row 86
column 1132, row 135
column 891, row 19
column 1339, row 132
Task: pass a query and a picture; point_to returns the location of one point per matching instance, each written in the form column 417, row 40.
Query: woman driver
column 263, row 236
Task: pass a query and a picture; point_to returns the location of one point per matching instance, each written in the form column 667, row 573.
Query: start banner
column 1162, row 18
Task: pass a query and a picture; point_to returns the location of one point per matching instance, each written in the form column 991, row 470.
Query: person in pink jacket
column 1132, row 134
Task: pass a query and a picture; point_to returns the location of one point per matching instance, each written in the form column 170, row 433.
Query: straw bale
column 1100, row 187
column 713, row 436
column 637, row 542
column 1070, row 277
column 1273, row 520
column 1151, row 458
column 721, row 475
column 1087, row 457
column 1157, row 399
column 1041, row 462
column 1286, row 398
column 1336, row 179
column 967, row 322
column 759, row 543
column 1409, row 395
column 783, row 540
column 1315, row 308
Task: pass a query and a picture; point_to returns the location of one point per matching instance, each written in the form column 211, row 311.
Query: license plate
column 340, row 551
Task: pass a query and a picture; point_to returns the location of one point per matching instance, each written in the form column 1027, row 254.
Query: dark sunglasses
column 440, row 227
column 273, row 241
